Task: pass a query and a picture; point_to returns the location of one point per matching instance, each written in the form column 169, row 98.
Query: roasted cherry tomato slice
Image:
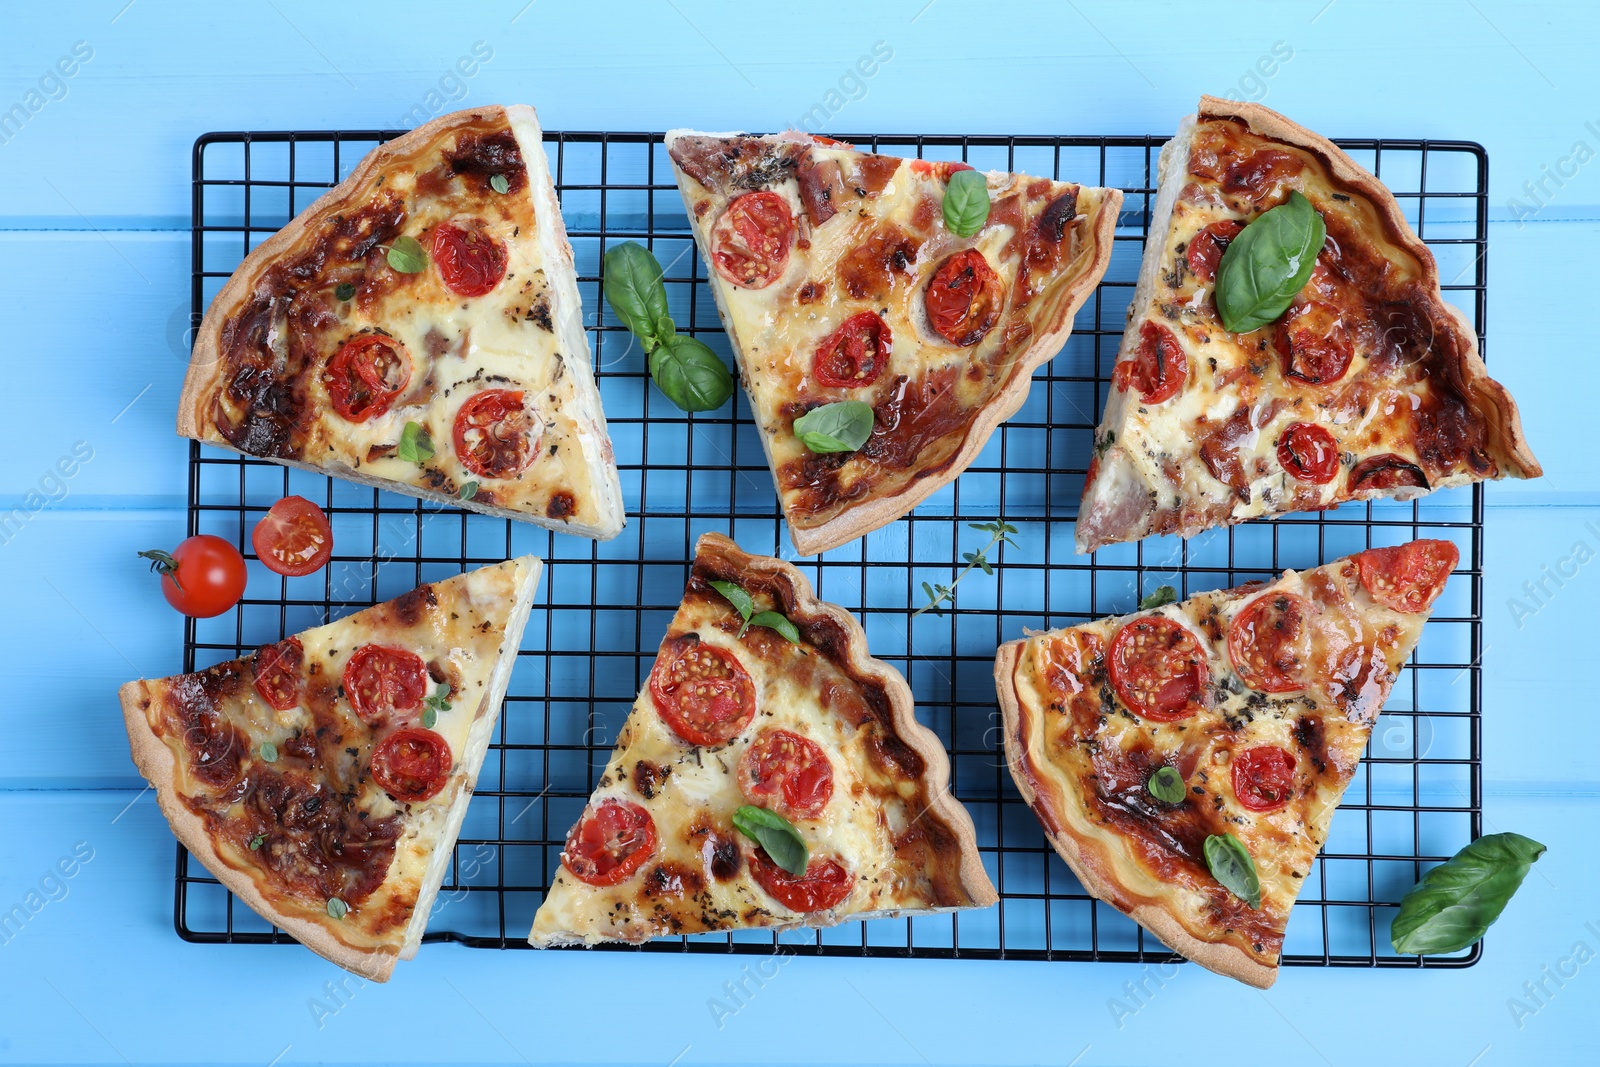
column 366, row 375
column 1309, row 453
column 611, row 840
column 277, row 671
column 963, row 298
column 702, row 693
column 384, row 683
column 495, row 434
column 1312, row 342
column 470, row 259
column 412, row 764
column 1386, row 471
column 1206, row 248
column 203, row 577
column 750, row 243
column 1157, row 669
column 855, row 354
column 1408, row 577
column 293, row 538
column 1269, row 642
column 787, row 772
column 1263, row 777
column 942, row 169
column 825, row 884
column 1158, row 368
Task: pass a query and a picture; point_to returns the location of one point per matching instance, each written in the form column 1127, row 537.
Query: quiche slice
column 1368, row 386
column 764, row 715
column 418, row 329
column 1186, row 761
column 324, row 779
column 839, row 278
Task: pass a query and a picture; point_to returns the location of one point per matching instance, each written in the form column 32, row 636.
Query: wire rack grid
column 603, row 607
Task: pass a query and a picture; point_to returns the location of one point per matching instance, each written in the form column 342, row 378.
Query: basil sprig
column 406, row 255
column 966, row 203
column 1231, row 865
column 776, row 835
column 1268, row 264
column 1166, row 784
column 745, row 605
column 842, row 426
column 691, row 375
column 415, row 444
column 434, row 705
column 1459, row 899
column 1160, row 596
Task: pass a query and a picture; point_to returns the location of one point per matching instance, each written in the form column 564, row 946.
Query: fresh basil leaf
column 406, row 255
column 429, row 717
column 415, row 444
column 269, row 752
column 634, row 289
column 736, row 595
column 966, row 203
column 1268, row 264
column 774, row 620
column 468, row 491
column 1461, row 898
column 1166, row 785
column 344, row 291
column 842, row 426
column 257, row 841
column 690, row 374
column 499, row 184
column 337, row 908
column 1160, row 596
column 775, row 834
column 1231, row 865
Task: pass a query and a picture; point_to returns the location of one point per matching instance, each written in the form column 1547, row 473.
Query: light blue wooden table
column 94, row 220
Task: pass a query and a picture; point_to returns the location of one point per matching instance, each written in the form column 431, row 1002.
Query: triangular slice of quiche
column 324, row 778
column 771, row 775
column 1367, row 385
column 418, row 328
column 848, row 276
column 1186, row 760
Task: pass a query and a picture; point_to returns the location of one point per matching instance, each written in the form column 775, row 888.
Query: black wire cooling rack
column 602, row 608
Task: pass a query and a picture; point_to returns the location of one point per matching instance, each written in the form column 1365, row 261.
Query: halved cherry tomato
column 1312, row 342
column 789, row 771
column 277, row 671
column 384, row 683
column 412, row 764
column 750, row 243
column 855, row 354
column 824, row 885
column 1206, row 248
column 1386, row 471
column 495, row 434
column 471, row 260
column 1269, row 642
column 702, row 693
column 1309, row 453
column 611, row 840
column 963, row 298
column 203, row 577
column 1263, row 777
column 365, row 375
column 1158, row 368
column 1408, row 577
column 1157, row 669
column 293, row 538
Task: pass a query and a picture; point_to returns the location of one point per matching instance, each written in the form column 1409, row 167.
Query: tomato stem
column 164, row 564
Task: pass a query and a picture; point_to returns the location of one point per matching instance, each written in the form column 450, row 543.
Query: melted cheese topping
column 874, row 824
column 457, row 631
column 1210, row 454
column 877, row 251
column 1087, row 755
